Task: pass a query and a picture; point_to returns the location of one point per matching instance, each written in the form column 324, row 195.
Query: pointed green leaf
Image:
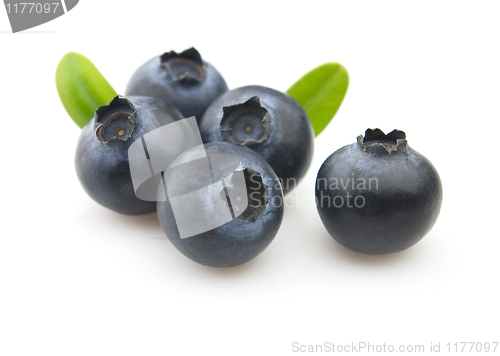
column 320, row 92
column 81, row 87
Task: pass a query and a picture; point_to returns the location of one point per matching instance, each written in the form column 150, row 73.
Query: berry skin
column 101, row 159
column 378, row 195
column 270, row 122
column 182, row 79
column 250, row 228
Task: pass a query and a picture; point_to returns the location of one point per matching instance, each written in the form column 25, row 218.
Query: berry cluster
column 223, row 212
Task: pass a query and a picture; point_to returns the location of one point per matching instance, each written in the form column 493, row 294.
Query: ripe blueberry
column 378, row 195
column 222, row 210
column 270, row 122
column 182, row 79
column 101, row 158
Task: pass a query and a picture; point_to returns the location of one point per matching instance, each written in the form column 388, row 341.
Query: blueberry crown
column 186, row 67
column 115, row 121
column 377, row 142
column 246, row 124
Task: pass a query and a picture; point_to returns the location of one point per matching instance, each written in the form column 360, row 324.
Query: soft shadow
column 222, row 272
column 140, row 221
column 98, row 215
column 143, row 220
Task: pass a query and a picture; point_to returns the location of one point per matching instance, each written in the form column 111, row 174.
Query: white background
column 77, row 279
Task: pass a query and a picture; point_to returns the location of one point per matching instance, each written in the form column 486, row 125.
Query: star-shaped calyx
column 377, row 142
column 115, row 121
column 246, row 123
column 186, row 67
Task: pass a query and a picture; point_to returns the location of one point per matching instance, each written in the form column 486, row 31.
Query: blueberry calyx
column 377, row 142
column 245, row 124
column 186, row 67
column 257, row 196
column 115, row 121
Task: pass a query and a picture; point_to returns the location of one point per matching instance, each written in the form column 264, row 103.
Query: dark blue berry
column 231, row 180
column 182, row 79
column 270, row 122
column 378, row 195
column 101, row 159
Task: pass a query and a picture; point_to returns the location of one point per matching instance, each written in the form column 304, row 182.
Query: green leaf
column 320, row 92
column 81, row 87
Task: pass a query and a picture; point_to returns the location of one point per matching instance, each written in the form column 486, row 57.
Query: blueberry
column 182, row 79
column 101, row 159
column 378, row 195
column 223, row 209
column 270, row 122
